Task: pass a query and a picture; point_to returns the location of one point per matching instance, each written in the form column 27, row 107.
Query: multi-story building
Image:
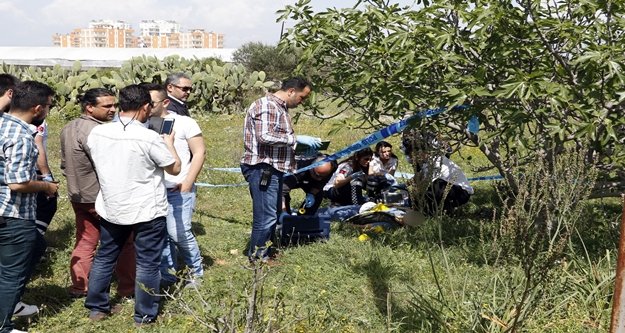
column 199, row 39
column 158, row 27
column 102, row 33
column 154, row 34
column 65, row 40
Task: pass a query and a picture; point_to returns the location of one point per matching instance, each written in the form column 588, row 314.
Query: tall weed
column 534, row 230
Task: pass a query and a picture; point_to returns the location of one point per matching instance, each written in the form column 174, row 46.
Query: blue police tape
column 495, row 177
column 219, row 185
column 376, row 137
column 226, row 169
column 398, row 174
column 222, row 185
column 406, row 175
column 367, row 141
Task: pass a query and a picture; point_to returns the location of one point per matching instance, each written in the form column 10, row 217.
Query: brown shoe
column 97, row 315
column 77, row 294
column 117, row 308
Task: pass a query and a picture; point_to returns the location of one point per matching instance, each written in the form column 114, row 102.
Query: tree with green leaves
column 255, row 56
column 541, row 76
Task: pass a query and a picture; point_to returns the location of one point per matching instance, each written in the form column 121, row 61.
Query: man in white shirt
column 189, row 145
column 449, row 187
column 130, row 161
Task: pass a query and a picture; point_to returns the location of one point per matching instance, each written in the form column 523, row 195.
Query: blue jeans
column 17, row 243
column 266, row 203
column 180, row 238
column 149, row 238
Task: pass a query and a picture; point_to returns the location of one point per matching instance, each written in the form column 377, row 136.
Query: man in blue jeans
column 18, row 192
column 130, row 161
column 269, row 142
column 189, row 145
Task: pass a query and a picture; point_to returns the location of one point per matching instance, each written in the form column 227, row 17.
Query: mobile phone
column 264, row 179
column 167, row 126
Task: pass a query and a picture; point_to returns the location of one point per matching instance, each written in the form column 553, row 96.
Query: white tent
column 98, row 57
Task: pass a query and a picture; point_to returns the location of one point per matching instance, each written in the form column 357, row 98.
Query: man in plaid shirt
column 269, row 153
column 18, row 192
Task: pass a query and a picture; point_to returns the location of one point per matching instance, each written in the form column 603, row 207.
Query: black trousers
column 456, row 196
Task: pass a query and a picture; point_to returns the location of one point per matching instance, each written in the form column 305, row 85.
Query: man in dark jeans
column 132, row 202
column 18, row 192
column 269, row 152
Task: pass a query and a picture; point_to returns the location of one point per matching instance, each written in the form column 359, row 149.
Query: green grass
column 435, row 278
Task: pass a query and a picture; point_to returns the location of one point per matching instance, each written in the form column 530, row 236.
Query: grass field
column 435, row 278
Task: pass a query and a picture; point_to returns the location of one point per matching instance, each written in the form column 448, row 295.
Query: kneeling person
column 311, row 182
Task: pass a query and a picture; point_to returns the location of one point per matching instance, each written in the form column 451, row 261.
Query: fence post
column 617, row 324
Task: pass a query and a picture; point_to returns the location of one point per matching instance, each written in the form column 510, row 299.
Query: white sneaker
column 24, row 310
column 17, row 331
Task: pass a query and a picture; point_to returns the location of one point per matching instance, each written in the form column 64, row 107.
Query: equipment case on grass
column 303, row 229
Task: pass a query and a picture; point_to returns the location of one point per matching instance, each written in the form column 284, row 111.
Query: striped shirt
column 18, row 161
column 268, row 135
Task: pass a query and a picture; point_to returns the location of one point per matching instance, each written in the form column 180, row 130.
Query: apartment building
column 100, row 33
column 200, row 39
column 153, row 34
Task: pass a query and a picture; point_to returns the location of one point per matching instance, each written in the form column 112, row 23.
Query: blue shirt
column 18, row 161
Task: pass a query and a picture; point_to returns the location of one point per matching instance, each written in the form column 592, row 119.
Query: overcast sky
column 33, row 22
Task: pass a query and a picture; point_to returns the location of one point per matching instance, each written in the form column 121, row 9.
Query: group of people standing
column 131, row 188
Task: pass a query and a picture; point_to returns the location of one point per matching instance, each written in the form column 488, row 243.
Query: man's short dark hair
column 174, row 78
column 133, row 97
column 154, row 87
column 90, row 97
column 7, row 81
column 298, row 83
column 29, row 94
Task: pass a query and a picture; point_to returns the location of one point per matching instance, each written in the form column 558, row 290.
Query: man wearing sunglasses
column 178, row 90
column 181, row 191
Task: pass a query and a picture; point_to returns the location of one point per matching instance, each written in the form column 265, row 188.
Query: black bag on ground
column 303, row 229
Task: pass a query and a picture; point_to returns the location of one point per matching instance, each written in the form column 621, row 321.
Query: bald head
column 323, row 171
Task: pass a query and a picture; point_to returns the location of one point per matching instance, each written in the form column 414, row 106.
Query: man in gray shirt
column 99, row 106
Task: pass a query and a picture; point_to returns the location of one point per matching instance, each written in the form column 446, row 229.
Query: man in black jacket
column 178, row 90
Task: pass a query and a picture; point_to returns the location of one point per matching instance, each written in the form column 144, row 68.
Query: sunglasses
column 185, row 89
